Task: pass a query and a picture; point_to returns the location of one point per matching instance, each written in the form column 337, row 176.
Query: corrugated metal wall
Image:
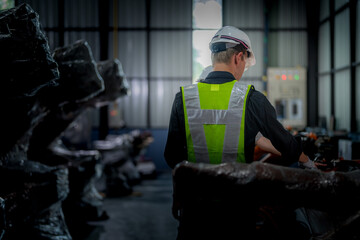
column 249, row 16
column 358, row 67
column 287, row 39
column 157, row 68
column 358, row 95
column 47, row 20
column 335, row 76
column 287, row 34
column 157, row 57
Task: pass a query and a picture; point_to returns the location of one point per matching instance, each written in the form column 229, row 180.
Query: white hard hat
column 228, row 37
column 204, row 73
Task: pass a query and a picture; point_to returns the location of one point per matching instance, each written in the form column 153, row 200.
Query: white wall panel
column 342, row 100
column 161, row 100
column 53, row 40
column 134, row 106
column 257, row 83
column 358, row 31
column 171, row 13
column 358, row 98
column 131, row 52
column 170, row 54
column 81, row 13
column 342, row 39
column 288, row 14
column 324, row 98
column 324, row 47
column 288, row 49
column 130, row 13
column 257, row 44
column 292, row 13
column 91, row 37
column 324, row 9
column 47, row 10
column 115, row 115
column 244, row 13
column 340, row 3
column 95, row 117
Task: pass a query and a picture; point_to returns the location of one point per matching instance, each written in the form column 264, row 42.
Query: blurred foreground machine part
column 265, row 201
column 116, row 85
column 79, row 72
column 26, row 69
column 32, row 192
column 78, row 133
column 123, row 162
column 79, row 81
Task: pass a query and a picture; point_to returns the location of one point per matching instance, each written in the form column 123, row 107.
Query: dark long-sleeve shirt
column 260, row 116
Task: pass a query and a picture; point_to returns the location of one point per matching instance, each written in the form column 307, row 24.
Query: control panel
column 287, row 93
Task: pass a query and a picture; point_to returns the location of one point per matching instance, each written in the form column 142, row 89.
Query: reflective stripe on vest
column 232, row 118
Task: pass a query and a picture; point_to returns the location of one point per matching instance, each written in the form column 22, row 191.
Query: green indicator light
column 296, row 77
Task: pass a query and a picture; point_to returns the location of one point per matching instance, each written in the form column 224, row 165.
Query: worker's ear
column 239, row 57
column 242, row 56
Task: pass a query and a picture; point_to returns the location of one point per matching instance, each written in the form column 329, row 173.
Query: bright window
column 207, row 19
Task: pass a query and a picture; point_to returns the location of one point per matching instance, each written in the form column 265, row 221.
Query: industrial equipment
column 287, row 93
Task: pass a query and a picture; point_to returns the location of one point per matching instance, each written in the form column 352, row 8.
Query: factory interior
column 87, row 90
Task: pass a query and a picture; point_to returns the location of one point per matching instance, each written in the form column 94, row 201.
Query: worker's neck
column 224, row 67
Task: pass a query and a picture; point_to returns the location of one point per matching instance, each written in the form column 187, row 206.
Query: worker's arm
column 265, row 117
column 264, row 144
column 305, row 162
column 175, row 149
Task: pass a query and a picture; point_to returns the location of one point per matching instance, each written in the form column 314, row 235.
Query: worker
column 263, row 143
column 220, row 119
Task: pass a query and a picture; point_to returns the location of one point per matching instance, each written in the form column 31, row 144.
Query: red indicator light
column 113, row 113
column 283, row 77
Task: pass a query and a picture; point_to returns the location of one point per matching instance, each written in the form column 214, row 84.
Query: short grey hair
column 225, row 56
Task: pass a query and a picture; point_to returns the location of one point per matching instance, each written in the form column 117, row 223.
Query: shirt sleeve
column 265, row 116
column 175, row 149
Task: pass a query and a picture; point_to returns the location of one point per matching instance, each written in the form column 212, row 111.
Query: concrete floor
column 144, row 215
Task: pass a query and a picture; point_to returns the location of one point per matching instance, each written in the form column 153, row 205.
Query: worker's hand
column 308, row 165
column 306, row 162
column 320, row 163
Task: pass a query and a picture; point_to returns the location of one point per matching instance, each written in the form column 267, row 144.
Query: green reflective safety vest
column 214, row 121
